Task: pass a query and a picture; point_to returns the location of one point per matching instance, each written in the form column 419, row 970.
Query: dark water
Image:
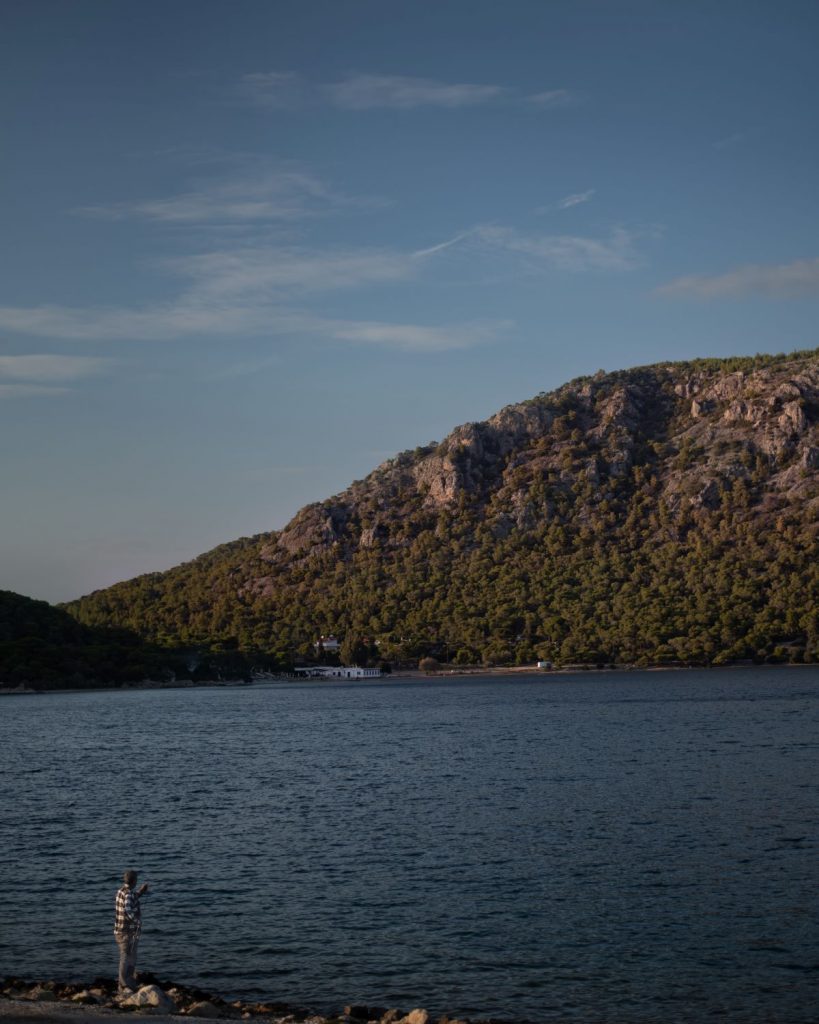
column 591, row 848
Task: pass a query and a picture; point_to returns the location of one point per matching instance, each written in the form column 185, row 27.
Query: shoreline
column 442, row 674
column 56, row 1002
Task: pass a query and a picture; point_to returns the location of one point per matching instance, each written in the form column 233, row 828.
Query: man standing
column 127, row 926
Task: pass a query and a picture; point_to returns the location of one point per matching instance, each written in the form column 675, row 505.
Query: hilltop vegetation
column 44, row 648
column 662, row 514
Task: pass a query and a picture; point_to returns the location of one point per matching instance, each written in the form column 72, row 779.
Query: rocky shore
column 54, row 1002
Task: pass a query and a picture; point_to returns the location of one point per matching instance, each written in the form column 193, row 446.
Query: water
column 630, row 847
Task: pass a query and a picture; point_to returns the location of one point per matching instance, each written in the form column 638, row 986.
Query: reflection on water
column 592, row 847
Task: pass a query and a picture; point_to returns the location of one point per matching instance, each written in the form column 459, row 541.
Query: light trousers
column 127, row 959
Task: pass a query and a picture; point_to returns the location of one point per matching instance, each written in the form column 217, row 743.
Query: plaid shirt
column 128, row 916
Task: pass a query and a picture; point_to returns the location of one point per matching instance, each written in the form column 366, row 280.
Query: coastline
column 55, row 1002
column 442, row 674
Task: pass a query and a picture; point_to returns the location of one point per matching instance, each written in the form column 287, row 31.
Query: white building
column 338, row 672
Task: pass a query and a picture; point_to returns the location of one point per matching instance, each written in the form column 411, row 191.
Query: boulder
column 416, row 1016
column 204, row 1008
column 42, row 994
column 86, row 997
column 151, row 997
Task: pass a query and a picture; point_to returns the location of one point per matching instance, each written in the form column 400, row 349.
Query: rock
column 86, row 997
column 42, row 994
column 738, row 412
column 391, row 1016
column 793, row 418
column 711, row 495
column 416, row 1016
column 357, row 1012
column 204, row 1008
column 151, row 996
column 439, row 477
column 810, row 458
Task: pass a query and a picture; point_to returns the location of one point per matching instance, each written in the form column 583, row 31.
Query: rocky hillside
column 665, row 513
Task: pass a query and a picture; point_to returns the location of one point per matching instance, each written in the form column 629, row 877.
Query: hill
column 44, row 648
column 666, row 513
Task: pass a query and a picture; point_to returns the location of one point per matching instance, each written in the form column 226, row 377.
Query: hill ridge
column 547, row 529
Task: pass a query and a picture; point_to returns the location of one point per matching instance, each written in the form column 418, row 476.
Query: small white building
column 338, row 672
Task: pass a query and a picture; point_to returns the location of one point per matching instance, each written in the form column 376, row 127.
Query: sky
column 250, row 250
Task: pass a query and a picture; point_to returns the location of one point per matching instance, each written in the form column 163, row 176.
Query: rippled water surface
column 589, row 847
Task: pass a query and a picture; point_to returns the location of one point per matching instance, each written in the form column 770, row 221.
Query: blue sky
column 252, row 249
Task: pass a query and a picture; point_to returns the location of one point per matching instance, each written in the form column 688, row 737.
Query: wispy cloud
column 279, row 90
column 399, row 92
column 257, row 289
column 263, row 270
column 575, row 199
column 192, row 320
column 553, row 98
column 246, row 367
column 281, row 193
column 564, row 252
column 542, row 252
column 251, row 291
column 235, row 292
column 729, row 141
column 44, row 368
column 417, row 338
column 786, row 280
column 421, row 253
column 44, row 375
column 567, row 202
column 29, row 391
column 186, row 316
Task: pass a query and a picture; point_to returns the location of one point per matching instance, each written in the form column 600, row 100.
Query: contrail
column 440, row 246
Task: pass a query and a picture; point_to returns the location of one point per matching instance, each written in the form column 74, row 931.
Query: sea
column 596, row 847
